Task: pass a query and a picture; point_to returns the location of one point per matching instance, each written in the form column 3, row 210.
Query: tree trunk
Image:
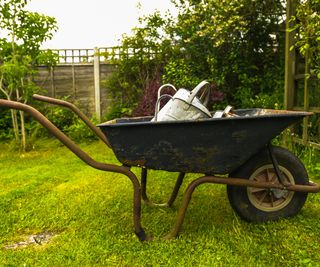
column 23, row 131
column 15, row 124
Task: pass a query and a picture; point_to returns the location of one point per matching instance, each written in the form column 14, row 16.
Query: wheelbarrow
column 264, row 182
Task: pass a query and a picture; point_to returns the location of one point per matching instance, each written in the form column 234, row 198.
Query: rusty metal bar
column 311, row 188
column 173, row 196
column 87, row 159
column 77, row 111
column 275, row 164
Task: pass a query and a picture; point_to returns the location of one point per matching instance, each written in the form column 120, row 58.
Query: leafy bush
column 19, row 53
column 61, row 117
column 79, row 131
column 6, row 132
column 66, row 120
column 138, row 66
column 307, row 24
column 146, row 105
column 237, row 45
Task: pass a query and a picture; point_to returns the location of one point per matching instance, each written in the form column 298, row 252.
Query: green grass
column 89, row 212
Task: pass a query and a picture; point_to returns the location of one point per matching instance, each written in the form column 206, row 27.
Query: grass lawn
column 57, row 211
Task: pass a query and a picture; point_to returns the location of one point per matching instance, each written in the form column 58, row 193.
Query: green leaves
column 238, row 45
column 19, row 52
column 307, row 27
column 34, row 29
column 233, row 43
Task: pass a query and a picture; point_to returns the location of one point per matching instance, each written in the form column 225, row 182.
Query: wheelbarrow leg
column 138, row 230
column 185, row 203
column 174, row 193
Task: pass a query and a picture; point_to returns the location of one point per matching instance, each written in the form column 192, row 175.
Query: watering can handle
column 195, row 91
column 157, row 108
column 163, row 86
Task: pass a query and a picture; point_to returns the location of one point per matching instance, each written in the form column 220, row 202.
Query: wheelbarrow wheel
column 259, row 204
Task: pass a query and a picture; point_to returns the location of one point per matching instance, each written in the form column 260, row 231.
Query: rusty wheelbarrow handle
column 87, row 159
column 77, row 111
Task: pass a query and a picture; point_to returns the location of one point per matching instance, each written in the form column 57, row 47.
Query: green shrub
column 6, row 131
column 238, row 46
column 79, row 131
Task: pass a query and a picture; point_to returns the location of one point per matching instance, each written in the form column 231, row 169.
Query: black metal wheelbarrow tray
column 264, row 182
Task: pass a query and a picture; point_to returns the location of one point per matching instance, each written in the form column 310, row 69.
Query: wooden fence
column 78, row 74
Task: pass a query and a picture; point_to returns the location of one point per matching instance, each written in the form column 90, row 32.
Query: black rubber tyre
column 260, row 205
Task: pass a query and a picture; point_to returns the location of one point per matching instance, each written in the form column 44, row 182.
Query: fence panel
column 78, row 77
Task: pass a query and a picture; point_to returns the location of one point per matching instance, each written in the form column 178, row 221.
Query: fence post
column 290, row 58
column 96, row 66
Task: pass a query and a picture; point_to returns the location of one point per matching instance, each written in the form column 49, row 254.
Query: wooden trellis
column 301, row 92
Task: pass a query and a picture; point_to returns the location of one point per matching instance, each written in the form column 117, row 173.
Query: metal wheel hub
column 279, row 193
column 270, row 200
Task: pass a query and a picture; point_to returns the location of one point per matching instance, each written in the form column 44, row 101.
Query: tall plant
column 139, row 64
column 307, row 26
column 19, row 52
column 238, row 45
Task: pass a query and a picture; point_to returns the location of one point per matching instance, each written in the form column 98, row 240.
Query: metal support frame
column 275, row 164
column 312, row 187
column 174, row 193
